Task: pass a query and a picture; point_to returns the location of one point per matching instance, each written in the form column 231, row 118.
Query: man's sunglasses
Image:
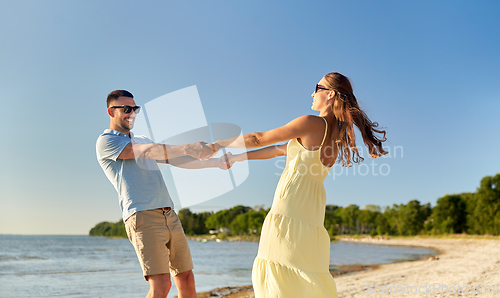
column 128, row 109
column 318, row 87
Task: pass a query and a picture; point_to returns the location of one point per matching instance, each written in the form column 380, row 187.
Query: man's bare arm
column 160, row 152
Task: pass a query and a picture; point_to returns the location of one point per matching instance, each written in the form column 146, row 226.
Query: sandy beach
column 465, row 267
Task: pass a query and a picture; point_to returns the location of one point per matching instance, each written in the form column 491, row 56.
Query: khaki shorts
column 159, row 241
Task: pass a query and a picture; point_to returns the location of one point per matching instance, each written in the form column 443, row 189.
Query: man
column 152, row 225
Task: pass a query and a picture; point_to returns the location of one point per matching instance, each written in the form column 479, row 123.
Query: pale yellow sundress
column 294, row 249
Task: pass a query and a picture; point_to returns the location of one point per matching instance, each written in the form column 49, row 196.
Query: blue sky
column 426, row 71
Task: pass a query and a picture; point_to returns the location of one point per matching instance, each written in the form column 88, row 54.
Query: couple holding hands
column 294, row 248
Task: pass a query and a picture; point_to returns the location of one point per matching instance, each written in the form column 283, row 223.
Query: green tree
column 393, row 219
column 487, row 210
column 256, row 220
column 239, row 225
column 193, row 223
column 187, row 220
column 248, row 223
column 349, row 216
column 109, row 229
column 382, row 224
column 469, row 199
column 217, row 220
column 332, row 220
column 201, row 218
column 366, row 218
column 407, row 219
column 449, row 214
column 412, row 217
column 224, row 218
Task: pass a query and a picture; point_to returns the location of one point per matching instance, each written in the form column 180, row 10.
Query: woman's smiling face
column 320, row 96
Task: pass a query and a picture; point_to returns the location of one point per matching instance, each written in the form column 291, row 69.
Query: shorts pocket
column 138, row 220
column 130, row 226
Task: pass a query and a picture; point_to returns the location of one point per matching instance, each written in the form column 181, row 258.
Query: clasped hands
column 205, row 151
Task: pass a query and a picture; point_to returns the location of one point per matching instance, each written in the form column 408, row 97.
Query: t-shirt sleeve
column 110, row 146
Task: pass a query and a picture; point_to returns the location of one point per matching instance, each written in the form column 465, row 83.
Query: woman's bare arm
column 296, row 128
column 264, row 153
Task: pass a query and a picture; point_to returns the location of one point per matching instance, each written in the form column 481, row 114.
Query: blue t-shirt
column 139, row 182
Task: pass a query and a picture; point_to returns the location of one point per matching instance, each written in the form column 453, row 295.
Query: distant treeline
column 471, row 213
column 109, row 229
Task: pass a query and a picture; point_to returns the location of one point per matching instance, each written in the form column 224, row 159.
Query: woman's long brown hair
column 347, row 112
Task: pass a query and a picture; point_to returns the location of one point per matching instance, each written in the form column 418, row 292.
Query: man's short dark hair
column 117, row 93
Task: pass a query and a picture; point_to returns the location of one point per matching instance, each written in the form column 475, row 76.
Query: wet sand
column 465, row 267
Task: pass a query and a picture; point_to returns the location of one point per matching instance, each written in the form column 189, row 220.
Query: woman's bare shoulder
column 310, row 120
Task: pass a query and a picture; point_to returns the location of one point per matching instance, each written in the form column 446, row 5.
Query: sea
column 84, row 266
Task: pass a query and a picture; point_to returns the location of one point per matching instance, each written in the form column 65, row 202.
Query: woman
column 294, row 248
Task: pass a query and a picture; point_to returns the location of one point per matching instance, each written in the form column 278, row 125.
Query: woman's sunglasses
column 128, row 109
column 318, row 87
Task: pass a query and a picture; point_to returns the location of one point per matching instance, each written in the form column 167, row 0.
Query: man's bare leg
column 184, row 282
column 159, row 285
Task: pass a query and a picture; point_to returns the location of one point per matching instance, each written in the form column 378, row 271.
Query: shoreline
column 455, row 264
column 204, row 238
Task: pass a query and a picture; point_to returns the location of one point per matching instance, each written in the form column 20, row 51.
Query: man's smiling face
column 123, row 121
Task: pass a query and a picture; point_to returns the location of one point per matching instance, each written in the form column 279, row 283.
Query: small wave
column 59, row 272
column 22, row 258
